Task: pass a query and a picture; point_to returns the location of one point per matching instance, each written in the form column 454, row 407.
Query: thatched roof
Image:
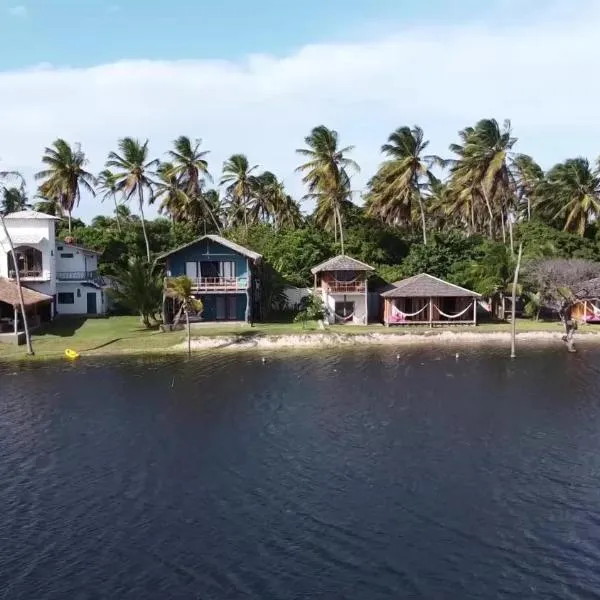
column 9, row 294
column 219, row 240
column 342, row 263
column 427, row 286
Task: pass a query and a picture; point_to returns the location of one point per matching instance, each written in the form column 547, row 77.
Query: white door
column 191, row 270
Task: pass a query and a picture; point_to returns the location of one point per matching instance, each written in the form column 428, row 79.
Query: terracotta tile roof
column 9, row 294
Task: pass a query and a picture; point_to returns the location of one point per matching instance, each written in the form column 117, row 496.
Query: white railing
column 219, row 284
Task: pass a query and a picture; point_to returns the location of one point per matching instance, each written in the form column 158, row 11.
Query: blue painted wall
column 210, row 306
column 206, row 250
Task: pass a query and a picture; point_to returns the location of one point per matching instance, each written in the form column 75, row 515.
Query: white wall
column 360, row 307
column 81, row 260
column 80, row 306
column 294, row 295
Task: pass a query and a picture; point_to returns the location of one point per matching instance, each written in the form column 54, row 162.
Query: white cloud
column 18, row 11
column 541, row 74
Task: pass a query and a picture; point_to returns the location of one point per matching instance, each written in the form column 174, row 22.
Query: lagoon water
column 333, row 474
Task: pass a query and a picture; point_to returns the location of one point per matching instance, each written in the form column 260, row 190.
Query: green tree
column 108, row 185
column 173, row 198
column 326, row 172
column 14, row 199
column 239, row 183
column 138, row 287
column 134, row 171
column 404, row 179
column 529, row 179
column 180, row 290
column 571, row 195
column 65, row 177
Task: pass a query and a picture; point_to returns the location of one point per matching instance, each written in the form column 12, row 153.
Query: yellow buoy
column 71, row 353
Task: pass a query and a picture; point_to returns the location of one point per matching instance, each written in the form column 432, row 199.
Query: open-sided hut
column 427, row 300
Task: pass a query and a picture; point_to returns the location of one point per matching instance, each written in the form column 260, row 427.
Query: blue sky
column 90, row 32
column 256, row 76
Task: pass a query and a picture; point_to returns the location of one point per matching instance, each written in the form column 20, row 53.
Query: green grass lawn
column 123, row 335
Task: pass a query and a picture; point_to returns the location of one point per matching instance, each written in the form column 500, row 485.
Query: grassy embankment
column 125, row 335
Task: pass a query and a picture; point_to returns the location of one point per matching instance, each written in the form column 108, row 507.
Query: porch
column 430, row 311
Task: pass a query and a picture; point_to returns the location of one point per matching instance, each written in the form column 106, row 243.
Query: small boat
column 71, row 354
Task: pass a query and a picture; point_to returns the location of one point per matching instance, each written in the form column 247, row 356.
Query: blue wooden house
column 225, row 277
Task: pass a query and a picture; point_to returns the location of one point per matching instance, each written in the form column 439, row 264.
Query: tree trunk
column 528, row 209
column 339, row 217
column 117, row 213
column 569, row 325
column 503, row 226
column 489, row 207
column 30, row 351
column 423, row 224
column 189, row 333
column 70, row 228
column 141, row 201
column 513, row 337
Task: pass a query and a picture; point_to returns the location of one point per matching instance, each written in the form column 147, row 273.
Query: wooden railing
column 218, row 284
column 341, row 287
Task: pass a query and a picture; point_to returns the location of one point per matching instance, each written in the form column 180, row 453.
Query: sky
column 255, row 77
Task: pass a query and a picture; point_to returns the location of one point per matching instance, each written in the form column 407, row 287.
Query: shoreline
column 316, row 340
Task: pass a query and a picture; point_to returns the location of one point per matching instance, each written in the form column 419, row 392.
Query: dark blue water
column 326, row 475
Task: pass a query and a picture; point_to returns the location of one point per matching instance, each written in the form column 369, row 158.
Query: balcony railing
column 38, row 274
column 79, row 276
column 219, row 284
column 343, row 287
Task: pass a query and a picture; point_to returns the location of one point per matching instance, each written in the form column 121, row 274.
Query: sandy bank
column 328, row 340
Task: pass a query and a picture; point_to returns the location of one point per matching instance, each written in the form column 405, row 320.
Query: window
column 67, row 255
column 78, row 293
column 217, row 268
column 29, row 261
column 66, row 298
column 59, row 248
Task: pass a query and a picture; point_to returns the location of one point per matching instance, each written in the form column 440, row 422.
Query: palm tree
column 529, row 179
column 65, row 176
column 5, row 175
column 134, row 174
column 482, row 168
column 239, row 181
column 571, row 194
column 138, row 287
column 403, row 178
column 173, row 198
column 14, row 199
column 190, row 168
column 107, row 183
column 180, row 289
column 326, row 173
column 50, row 206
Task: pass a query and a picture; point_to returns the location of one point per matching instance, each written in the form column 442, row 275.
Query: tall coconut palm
column 14, row 199
column 571, row 195
column 172, row 196
column 108, row 185
column 483, row 168
column 134, row 171
column 190, row 168
column 529, row 179
column 180, row 290
column 239, row 183
column 65, row 177
column 8, row 240
column 404, row 178
column 327, row 175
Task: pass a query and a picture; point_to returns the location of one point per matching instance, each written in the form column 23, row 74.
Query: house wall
column 205, row 250
column 294, row 296
column 360, row 307
column 80, row 306
column 81, row 260
column 209, row 301
column 22, row 228
column 411, row 305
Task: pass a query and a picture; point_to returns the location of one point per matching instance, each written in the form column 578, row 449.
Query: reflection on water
column 321, row 475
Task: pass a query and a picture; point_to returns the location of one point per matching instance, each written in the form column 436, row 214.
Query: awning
column 9, row 294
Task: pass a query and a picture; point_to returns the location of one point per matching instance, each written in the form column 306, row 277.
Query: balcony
column 31, row 275
column 74, row 276
column 218, row 285
column 345, row 287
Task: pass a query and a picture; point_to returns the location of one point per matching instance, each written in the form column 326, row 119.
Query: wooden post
column 16, row 320
column 430, row 312
column 366, row 302
column 584, row 311
column 513, row 336
column 474, row 311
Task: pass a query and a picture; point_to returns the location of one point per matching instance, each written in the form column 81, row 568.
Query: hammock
column 485, row 305
column 341, row 318
column 398, row 315
column 460, row 314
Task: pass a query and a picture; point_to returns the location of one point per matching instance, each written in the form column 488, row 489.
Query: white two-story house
column 66, row 272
